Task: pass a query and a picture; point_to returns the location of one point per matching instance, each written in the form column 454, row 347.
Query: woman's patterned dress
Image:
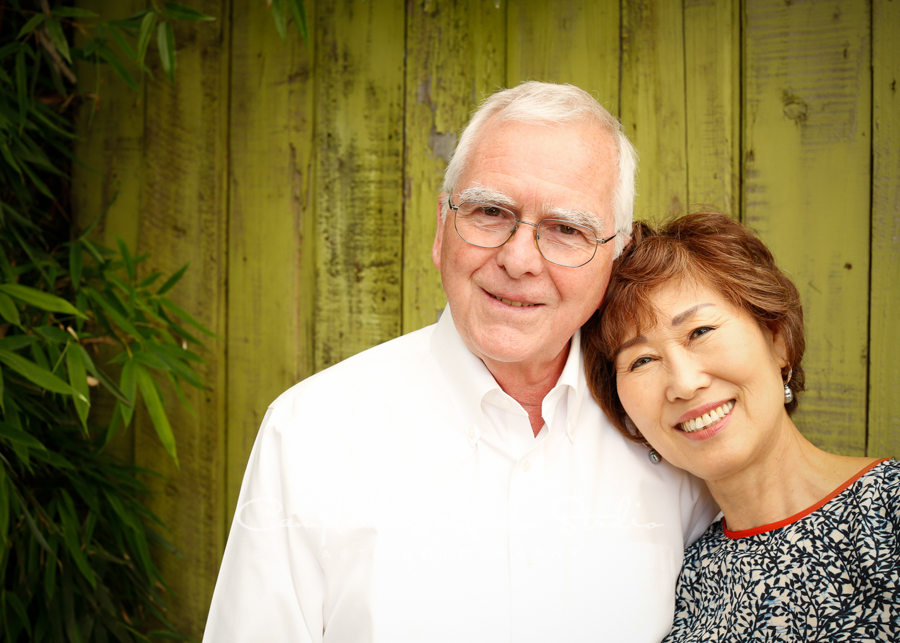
column 830, row 573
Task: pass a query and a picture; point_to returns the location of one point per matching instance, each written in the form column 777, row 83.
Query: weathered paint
column 359, row 183
column 712, row 47
column 806, row 190
column 653, row 103
column 884, row 349
column 571, row 41
column 271, row 228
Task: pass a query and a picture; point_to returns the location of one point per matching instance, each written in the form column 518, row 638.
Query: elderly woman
column 697, row 353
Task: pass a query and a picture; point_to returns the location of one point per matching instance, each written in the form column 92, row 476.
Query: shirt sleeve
column 270, row 586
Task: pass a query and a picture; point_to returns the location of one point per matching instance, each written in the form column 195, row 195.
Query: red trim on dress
column 744, row 533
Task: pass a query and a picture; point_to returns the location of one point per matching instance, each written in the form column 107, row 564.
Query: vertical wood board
column 884, row 349
column 183, row 218
column 806, row 190
column 653, row 103
column 712, row 103
column 359, row 60
column 455, row 56
column 569, row 41
column 271, row 233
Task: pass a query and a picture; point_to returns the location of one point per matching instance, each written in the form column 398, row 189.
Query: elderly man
column 459, row 483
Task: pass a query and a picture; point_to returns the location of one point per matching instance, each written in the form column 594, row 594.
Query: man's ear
column 439, row 234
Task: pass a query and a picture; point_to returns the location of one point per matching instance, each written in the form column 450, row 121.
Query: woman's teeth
column 513, row 303
column 707, row 419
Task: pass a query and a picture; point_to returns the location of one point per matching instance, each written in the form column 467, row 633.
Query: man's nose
column 520, row 254
column 686, row 376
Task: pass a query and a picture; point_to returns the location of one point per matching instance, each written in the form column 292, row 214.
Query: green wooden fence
column 301, row 183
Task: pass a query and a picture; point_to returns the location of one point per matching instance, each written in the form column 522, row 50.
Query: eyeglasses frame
column 515, row 228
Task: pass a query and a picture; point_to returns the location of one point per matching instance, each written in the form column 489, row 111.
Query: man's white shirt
column 401, row 496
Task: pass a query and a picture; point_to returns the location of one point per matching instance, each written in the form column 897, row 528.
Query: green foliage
column 76, row 541
column 280, row 9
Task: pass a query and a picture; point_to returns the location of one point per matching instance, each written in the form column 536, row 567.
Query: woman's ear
column 779, row 346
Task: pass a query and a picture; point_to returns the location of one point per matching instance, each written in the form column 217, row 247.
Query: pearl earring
column 788, row 393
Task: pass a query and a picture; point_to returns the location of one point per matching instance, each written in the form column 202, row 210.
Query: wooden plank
column 111, row 142
column 359, row 59
column 183, row 218
column 456, row 54
column 712, row 48
column 653, row 103
column 806, row 190
column 884, row 350
column 570, row 41
column 271, row 239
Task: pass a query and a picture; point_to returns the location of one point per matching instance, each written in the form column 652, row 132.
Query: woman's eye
column 640, row 361
column 700, row 332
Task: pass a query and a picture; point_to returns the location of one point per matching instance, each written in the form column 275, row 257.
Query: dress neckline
column 755, row 531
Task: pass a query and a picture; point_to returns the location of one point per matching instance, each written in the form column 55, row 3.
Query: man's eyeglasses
column 487, row 225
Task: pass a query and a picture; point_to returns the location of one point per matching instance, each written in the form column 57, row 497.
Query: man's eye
column 700, row 332
column 491, row 211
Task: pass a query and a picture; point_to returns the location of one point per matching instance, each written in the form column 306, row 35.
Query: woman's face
column 703, row 384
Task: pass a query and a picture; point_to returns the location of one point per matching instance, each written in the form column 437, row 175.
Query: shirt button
column 529, row 563
column 526, row 466
column 472, row 432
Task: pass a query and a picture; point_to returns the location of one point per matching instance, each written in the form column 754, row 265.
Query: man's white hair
column 548, row 103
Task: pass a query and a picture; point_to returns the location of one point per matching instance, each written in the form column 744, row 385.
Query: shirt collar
column 468, row 380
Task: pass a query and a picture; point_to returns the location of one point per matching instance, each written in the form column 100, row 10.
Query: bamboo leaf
column 154, row 404
column 13, row 434
column 76, row 263
column 123, row 43
column 165, row 40
column 278, row 14
column 78, row 381
column 126, row 257
column 298, row 15
column 35, row 21
column 128, row 384
column 110, row 310
column 8, row 310
column 174, row 279
column 110, row 56
column 73, row 539
column 38, row 536
column 34, row 373
column 17, row 342
column 55, row 31
column 147, row 24
column 4, row 507
column 177, row 11
column 39, row 299
column 183, row 315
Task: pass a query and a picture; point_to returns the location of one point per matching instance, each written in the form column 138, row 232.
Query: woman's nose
column 686, row 377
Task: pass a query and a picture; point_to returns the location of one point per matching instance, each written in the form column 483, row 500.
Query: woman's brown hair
column 704, row 248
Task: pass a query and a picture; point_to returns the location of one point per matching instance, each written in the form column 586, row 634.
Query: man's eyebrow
column 682, row 317
column 581, row 217
column 481, row 193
